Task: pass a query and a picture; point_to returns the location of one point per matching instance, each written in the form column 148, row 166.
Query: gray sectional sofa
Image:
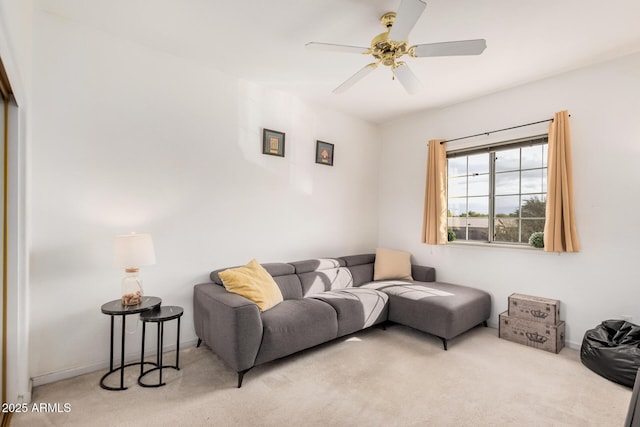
column 325, row 299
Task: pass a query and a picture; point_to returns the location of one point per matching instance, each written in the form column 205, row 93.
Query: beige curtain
column 434, row 225
column 560, row 227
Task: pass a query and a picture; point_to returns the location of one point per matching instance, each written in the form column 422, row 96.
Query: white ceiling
column 263, row 41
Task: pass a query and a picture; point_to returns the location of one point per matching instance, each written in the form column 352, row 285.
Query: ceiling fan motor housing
column 385, row 50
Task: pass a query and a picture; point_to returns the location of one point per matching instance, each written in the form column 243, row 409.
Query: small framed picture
column 324, row 153
column 272, row 142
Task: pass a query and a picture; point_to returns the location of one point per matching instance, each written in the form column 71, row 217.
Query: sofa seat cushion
column 357, row 308
column 441, row 309
column 294, row 325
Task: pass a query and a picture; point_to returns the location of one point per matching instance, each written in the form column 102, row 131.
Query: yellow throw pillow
column 392, row 264
column 254, row 283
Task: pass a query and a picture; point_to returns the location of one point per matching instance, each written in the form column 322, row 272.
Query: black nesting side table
column 159, row 315
column 115, row 308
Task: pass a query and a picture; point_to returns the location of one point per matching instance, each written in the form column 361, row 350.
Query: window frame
column 492, row 149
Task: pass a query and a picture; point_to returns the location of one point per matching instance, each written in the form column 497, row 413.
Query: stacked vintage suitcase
column 533, row 321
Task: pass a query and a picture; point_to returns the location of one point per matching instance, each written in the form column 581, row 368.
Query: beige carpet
column 397, row 377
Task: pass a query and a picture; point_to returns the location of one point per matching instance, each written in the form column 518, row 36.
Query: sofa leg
column 484, row 323
column 199, row 342
column 444, row 343
column 241, row 376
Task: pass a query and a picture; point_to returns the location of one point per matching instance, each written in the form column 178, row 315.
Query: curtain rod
column 499, row 130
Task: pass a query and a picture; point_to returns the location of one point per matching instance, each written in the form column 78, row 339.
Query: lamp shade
column 133, row 251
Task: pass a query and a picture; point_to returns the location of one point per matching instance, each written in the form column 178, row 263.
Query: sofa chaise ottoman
column 324, row 299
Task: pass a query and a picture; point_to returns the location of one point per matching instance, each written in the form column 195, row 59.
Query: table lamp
column 132, row 251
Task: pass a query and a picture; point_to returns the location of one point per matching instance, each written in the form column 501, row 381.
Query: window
column 498, row 193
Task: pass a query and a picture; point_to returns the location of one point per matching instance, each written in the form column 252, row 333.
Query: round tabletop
column 162, row 314
column 115, row 307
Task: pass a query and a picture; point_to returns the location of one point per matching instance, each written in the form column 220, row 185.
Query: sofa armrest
column 228, row 323
column 421, row 273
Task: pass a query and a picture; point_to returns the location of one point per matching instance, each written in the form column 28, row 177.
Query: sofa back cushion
column 283, row 274
column 361, row 267
column 322, row 274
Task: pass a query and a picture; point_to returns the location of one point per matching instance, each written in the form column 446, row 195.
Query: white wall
column 127, row 138
column 601, row 281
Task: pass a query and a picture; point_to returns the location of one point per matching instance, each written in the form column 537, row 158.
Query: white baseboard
column 97, row 366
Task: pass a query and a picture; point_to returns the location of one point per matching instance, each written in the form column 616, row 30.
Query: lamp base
column 131, row 288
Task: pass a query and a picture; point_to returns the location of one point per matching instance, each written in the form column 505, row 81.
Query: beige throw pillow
column 392, row 264
column 254, row 283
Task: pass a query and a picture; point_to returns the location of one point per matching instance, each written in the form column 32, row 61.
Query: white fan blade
column 407, row 78
column 406, row 18
column 355, row 78
column 462, row 47
column 336, row 47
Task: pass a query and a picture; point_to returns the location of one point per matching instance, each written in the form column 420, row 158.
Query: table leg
column 111, row 347
column 122, row 353
column 144, row 324
column 161, row 328
column 178, row 347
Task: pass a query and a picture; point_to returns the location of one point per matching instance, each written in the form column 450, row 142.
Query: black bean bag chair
column 612, row 350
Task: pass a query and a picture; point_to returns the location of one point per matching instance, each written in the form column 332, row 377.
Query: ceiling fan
column 389, row 46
